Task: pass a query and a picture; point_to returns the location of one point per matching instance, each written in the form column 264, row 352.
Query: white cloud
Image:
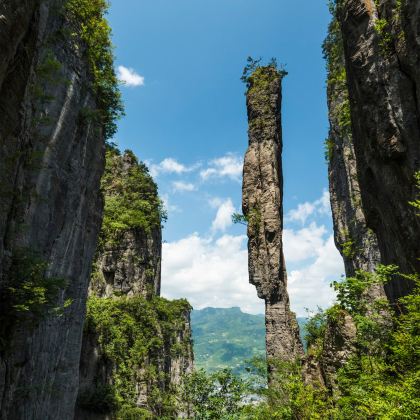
column 214, row 271
column 183, row 186
column 305, row 210
column 309, row 285
column 229, row 166
column 302, row 244
column 209, row 272
column 301, row 213
column 170, row 166
column 223, row 218
column 129, row 77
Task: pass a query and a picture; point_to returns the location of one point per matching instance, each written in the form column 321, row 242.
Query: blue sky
column 186, row 117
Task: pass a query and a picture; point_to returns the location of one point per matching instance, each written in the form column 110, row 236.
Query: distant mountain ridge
column 227, row 337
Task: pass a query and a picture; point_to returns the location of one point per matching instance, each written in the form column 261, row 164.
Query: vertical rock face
column 356, row 242
column 51, row 161
column 262, row 206
column 136, row 346
column 382, row 50
column 128, row 260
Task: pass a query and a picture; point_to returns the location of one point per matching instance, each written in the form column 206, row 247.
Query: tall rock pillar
column 262, row 206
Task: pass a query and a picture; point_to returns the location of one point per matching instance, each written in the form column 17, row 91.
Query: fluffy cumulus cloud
column 169, row 166
column 223, row 218
column 304, row 210
column 183, row 186
column 308, row 282
column 129, row 77
column 229, row 166
column 213, row 270
column 209, row 272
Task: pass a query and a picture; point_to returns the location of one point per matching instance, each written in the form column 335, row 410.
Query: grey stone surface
column 383, row 74
column 262, row 194
column 51, row 162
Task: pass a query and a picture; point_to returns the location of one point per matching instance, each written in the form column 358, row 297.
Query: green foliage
column 224, row 338
column 344, row 115
column 31, row 292
column 416, row 202
column 314, row 329
column 382, row 379
column 348, row 248
column 133, row 333
column 333, row 51
column 131, row 197
column 383, row 29
column 94, row 30
column 253, row 67
column 328, row 149
column 251, row 219
column 238, row 218
column 213, row 396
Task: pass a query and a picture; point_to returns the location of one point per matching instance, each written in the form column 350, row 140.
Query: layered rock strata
column 263, row 209
column 382, row 50
column 51, row 161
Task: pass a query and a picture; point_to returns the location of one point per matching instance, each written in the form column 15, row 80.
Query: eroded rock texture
column 128, row 260
column 382, row 50
column 51, row 161
column 136, row 346
column 262, row 206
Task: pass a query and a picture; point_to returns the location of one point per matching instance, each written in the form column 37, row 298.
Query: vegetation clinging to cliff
column 131, row 196
column 136, row 336
column 94, row 30
column 254, row 69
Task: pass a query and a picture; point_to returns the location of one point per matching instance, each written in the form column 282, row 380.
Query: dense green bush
column 88, row 18
column 380, row 381
column 30, row 293
column 134, row 334
column 131, row 197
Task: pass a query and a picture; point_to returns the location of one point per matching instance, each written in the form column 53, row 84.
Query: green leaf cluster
column 254, row 69
column 416, row 202
column 131, row 196
column 88, row 18
column 134, row 336
column 213, row 396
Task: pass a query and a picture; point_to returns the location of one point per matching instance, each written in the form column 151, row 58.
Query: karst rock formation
column 262, row 193
column 51, row 162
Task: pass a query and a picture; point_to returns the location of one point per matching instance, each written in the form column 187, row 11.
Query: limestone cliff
column 372, row 129
column 129, row 256
column 382, row 50
column 51, row 161
column 136, row 346
column 263, row 208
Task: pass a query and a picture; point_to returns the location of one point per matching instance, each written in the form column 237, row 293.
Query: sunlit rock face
column 262, row 206
column 129, row 262
column 51, row 161
column 382, row 59
column 125, row 284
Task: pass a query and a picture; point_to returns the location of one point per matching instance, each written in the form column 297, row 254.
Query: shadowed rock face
column 383, row 74
column 51, row 161
column 262, row 193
